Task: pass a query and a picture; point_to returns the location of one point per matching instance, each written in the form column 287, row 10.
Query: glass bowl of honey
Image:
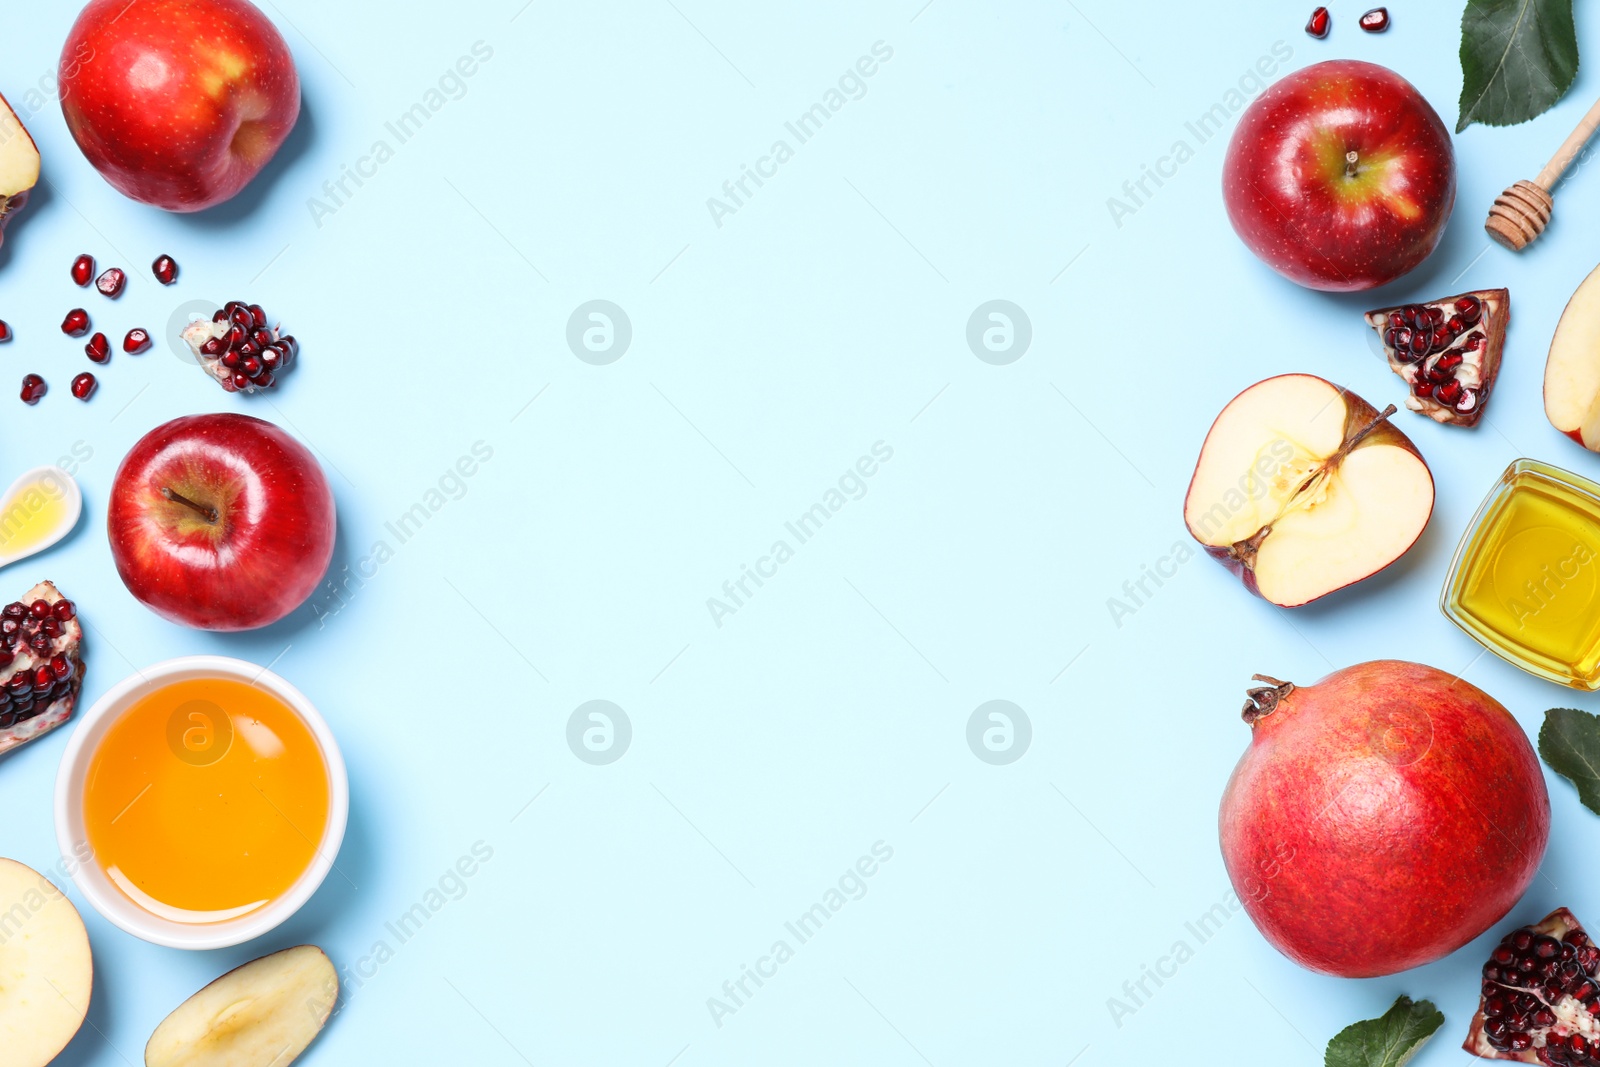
column 1526, row 575
column 204, row 799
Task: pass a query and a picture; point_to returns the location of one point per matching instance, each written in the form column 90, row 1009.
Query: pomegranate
column 83, row 269
column 33, row 388
column 1381, row 818
column 41, row 669
column 165, row 268
column 76, row 324
column 1447, row 351
column 1376, row 20
column 1318, row 26
column 1541, row 996
column 239, row 349
column 83, row 385
column 111, row 282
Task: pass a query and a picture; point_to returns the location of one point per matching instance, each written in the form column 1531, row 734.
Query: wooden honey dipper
column 1521, row 213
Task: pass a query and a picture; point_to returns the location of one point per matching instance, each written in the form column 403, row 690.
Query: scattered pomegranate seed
column 76, row 324
column 137, row 341
column 33, row 388
column 5, row 331
column 98, row 348
column 1318, row 26
column 83, row 269
column 111, row 282
column 165, row 269
column 1376, row 20
column 82, row 387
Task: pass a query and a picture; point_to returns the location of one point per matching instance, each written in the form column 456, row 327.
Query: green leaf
column 1569, row 741
column 1518, row 57
column 1387, row 1041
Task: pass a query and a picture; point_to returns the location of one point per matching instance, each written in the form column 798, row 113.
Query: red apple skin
column 270, row 546
column 1383, row 818
column 1289, row 189
column 178, row 103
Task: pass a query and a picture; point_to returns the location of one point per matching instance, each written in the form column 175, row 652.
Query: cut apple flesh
column 1572, row 373
column 263, row 1014
column 1302, row 488
column 46, row 972
column 19, row 163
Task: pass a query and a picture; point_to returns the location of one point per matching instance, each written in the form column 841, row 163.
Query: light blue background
column 769, row 353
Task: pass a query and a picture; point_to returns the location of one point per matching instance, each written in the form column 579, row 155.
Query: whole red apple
column 1381, row 818
column 221, row 522
column 177, row 103
column 1340, row 176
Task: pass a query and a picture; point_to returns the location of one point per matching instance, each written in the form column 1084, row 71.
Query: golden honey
column 1525, row 577
column 206, row 800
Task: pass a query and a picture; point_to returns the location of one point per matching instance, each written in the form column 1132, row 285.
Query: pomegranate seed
column 76, row 324
column 1318, row 26
column 1437, row 374
column 83, row 269
column 1376, row 20
column 258, row 316
column 212, row 347
column 1451, row 360
column 262, row 337
column 61, row 667
column 1455, row 325
column 39, row 608
column 236, row 336
column 33, row 388
column 5, row 331
column 137, row 341
column 219, row 316
column 270, row 357
column 83, row 387
column 265, row 380
column 1472, row 343
column 251, row 366
column 231, row 359
column 1396, row 320
column 64, row 610
column 241, row 317
column 111, row 282
column 1546, row 947
column 165, row 269
column 240, row 381
column 98, row 349
column 1422, row 387
column 1435, row 315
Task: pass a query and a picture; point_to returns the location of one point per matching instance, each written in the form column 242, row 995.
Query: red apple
column 221, row 522
column 178, row 103
column 1340, row 176
column 1381, row 818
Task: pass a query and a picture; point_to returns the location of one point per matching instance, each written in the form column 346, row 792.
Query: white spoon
column 39, row 509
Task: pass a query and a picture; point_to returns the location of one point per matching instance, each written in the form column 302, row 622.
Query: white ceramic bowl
column 92, row 880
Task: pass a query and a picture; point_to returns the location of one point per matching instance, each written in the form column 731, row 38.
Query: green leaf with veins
column 1518, row 57
column 1387, row 1041
column 1569, row 741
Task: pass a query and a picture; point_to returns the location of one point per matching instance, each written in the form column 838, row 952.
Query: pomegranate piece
column 1318, row 26
column 33, row 388
column 165, row 268
column 1448, row 351
column 137, row 341
column 98, row 349
column 1540, row 1001
column 41, row 668
column 1376, row 20
column 76, row 324
column 239, row 349
column 83, row 385
column 111, row 282
column 83, row 269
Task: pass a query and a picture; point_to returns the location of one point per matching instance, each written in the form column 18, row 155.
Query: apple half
column 1572, row 371
column 19, row 164
column 1303, row 488
column 46, row 971
column 263, row 1014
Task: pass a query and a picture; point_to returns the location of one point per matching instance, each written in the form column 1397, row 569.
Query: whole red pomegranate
column 1381, row 818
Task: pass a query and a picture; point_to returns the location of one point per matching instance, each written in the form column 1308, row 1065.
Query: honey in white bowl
column 207, row 799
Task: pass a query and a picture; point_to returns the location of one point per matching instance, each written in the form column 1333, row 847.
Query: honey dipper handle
column 1569, row 149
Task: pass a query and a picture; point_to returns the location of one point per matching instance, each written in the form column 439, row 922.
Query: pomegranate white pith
column 41, row 665
column 1540, row 1001
column 1303, row 488
column 1447, row 351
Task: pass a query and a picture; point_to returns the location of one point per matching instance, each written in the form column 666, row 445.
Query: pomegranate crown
column 1263, row 700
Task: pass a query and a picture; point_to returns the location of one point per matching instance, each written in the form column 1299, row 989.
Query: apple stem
column 209, row 513
column 1350, row 159
column 1360, row 435
column 1264, row 700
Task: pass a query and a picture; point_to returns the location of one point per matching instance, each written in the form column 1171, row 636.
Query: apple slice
column 263, row 1014
column 1447, row 351
column 46, row 971
column 1303, row 488
column 19, row 164
column 1572, row 373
